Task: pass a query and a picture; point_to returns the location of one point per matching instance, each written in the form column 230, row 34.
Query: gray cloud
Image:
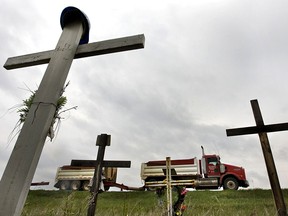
column 202, row 64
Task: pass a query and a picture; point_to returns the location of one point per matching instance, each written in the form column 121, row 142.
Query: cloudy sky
column 203, row 61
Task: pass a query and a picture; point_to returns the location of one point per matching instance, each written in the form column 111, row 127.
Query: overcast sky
column 203, row 61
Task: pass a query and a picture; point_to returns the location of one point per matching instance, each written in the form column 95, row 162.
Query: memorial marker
column 103, row 140
column 19, row 172
column 262, row 130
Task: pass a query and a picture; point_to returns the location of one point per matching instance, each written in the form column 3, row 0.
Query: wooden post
column 83, row 50
column 19, row 172
column 169, row 187
column 23, row 161
column 262, row 130
column 103, row 140
column 93, row 163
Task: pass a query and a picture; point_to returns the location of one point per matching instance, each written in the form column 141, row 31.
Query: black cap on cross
column 71, row 14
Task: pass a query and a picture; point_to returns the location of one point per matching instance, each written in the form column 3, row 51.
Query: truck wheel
column 85, row 186
column 151, row 188
column 231, row 184
column 75, row 185
column 64, row 185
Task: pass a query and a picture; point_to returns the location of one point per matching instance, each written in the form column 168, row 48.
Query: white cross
column 19, row 172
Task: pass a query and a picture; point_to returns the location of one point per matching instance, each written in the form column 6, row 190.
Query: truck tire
column 151, row 188
column 230, row 184
column 75, row 185
column 64, row 185
column 85, row 186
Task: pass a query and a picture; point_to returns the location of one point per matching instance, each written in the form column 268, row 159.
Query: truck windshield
column 214, row 161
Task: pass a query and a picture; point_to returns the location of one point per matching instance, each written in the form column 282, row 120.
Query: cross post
column 20, row 169
column 169, row 187
column 262, row 130
column 93, row 163
column 103, row 140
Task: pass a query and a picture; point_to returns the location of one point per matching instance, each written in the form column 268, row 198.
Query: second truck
column 205, row 173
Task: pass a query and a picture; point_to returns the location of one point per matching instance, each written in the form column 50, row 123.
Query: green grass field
column 140, row 203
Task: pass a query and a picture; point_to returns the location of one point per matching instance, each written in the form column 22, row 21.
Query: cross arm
column 85, row 50
column 93, row 163
column 257, row 129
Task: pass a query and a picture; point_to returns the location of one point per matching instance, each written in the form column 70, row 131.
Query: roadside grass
column 256, row 202
column 242, row 202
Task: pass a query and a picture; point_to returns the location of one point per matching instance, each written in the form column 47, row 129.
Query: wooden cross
column 262, row 130
column 169, row 187
column 19, row 172
column 93, row 163
column 103, row 140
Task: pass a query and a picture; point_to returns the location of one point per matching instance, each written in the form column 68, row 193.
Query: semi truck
column 75, row 177
column 205, row 173
column 78, row 178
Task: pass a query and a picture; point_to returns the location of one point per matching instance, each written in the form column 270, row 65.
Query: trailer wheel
column 151, row 188
column 75, row 185
column 231, row 184
column 85, row 186
column 64, row 185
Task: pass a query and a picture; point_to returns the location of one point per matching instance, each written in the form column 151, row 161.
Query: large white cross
column 19, row 172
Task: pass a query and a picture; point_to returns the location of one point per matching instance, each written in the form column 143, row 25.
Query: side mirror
column 222, row 168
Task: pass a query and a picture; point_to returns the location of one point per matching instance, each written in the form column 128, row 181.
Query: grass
column 139, row 203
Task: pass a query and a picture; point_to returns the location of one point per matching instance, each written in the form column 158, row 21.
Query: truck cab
column 228, row 176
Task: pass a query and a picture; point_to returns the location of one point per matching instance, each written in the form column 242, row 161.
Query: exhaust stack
column 202, row 150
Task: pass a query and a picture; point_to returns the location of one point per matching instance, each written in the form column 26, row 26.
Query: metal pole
column 103, row 140
column 270, row 165
column 19, row 172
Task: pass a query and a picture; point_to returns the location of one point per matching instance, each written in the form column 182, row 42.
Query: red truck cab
column 229, row 176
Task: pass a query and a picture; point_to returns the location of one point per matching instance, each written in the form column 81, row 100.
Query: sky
column 203, row 61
